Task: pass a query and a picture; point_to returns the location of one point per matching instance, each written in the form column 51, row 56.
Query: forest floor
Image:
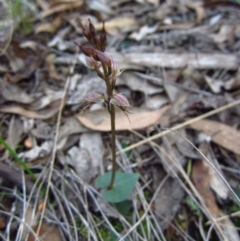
column 182, row 79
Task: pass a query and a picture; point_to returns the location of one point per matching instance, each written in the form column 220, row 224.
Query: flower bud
column 103, row 38
column 85, row 29
column 114, row 70
column 119, row 100
column 88, row 51
column 91, row 62
column 92, row 29
column 95, row 98
column 103, row 58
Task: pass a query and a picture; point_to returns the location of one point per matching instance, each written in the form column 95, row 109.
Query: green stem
column 113, row 130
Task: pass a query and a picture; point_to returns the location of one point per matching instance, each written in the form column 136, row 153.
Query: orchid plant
column 119, row 185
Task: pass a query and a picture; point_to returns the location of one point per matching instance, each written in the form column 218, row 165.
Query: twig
column 49, row 182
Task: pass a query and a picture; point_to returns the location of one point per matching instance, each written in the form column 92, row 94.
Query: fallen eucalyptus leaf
column 100, row 120
column 221, row 134
column 43, row 114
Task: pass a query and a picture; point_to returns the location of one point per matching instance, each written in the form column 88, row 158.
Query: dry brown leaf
column 64, row 6
column 225, row 33
column 100, row 120
column 33, row 45
column 41, row 114
column 221, row 134
column 201, row 180
column 53, row 74
column 49, row 27
column 120, row 23
column 48, row 97
column 43, row 4
column 216, row 182
column 29, row 63
column 47, row 233
column 87, row 158
column 199, row 9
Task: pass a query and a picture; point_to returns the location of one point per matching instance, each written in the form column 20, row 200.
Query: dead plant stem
column 181, row 125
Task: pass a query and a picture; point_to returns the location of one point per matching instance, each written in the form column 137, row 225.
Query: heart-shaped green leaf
column 123, row 207
column 122, row 188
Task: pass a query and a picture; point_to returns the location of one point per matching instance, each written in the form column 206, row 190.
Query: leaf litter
column 180, row 60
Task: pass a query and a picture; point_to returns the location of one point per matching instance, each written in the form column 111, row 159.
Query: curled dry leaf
column 61, row 7
column 199, row 9
column 53, row 74
column 221, row 134
column 49, row 27
column 123, row 23
column 201, row 180
column 100, row 120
